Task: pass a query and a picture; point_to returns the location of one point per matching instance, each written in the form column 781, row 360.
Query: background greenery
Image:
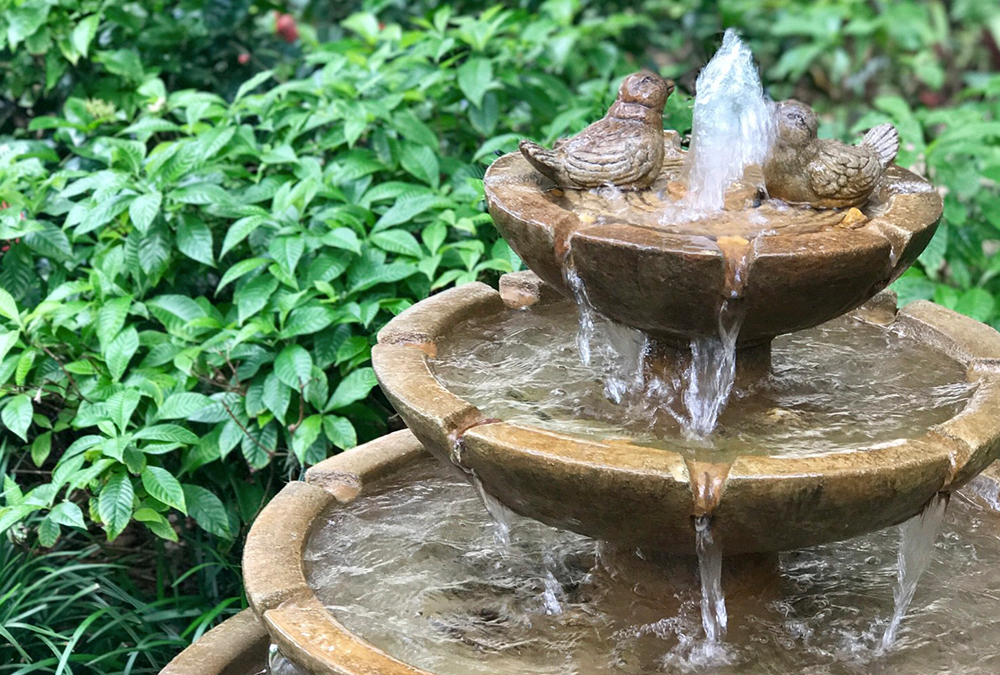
column 208, row 211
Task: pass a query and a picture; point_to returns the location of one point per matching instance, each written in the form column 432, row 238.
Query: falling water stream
column 916, row 547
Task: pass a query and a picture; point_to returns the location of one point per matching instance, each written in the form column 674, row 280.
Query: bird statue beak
column 670, row 87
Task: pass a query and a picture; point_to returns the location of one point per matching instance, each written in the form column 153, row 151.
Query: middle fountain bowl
column 646, row 497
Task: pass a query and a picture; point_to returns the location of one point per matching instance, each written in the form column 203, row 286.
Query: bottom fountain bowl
column 383, row 562
column 639, row 495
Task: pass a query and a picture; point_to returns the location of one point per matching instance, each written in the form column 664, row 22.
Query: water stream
column 713, row 602
column 916, row 547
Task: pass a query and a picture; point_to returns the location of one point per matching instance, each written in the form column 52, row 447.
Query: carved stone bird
column 803, row 169
column 624, row 148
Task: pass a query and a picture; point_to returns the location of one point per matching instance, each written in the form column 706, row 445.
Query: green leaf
column 287, row 251
column 7, row 342
column 121, row 405
column 23, row 21
column 143, row 210
column 83, row 34
column 194, row 239
column 171, row 433
column 114, row 505
column 294, row 366
column 68, row 514
column 308, row 320
column 41, row 447
column 474, row 77
column 354, row 387
column 251, row 84
column 182, row 405
column 977, row 303
column 120, row 351
column 340, row 431
column 8, row 307
column 238, row 270
column 305, row 435
column 344, row 238
column 48, row 532
column 397, row 241
column 111, row 317
column 421, row 162
column 253, row 296
column 405, row 209
column 276, row 396
column 412, row 129
column 207, row 510
column 161, row 485
column 175, row 311
column 16, row 415
column 240, row 230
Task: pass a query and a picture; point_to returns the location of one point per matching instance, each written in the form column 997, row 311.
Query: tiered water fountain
column 700, row 386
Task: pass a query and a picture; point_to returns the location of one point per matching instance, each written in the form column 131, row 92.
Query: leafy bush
column 191, row 293
column 105, row 50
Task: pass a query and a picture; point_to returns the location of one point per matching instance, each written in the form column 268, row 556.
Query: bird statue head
column 646, row 88
column 797, row 123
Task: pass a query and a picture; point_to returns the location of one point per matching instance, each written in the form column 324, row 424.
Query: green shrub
column 190, row 293
column 105, row 50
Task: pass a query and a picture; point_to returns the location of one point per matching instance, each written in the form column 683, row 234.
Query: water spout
column 733, row 124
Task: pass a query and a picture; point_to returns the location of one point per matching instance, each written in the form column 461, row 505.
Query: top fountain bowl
column 801, row 267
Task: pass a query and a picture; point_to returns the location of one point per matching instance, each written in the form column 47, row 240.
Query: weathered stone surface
column 772, row 503
column 976, row 428
column 434, row 415
column 275, row 579
column 619, row 492
column 422, row 323
column 960, row 336
column 237, row 646
column 272, row 565
column 806, row 268
column 341, row 474
column 524, row 289
column 879, row 310
column 803, row 280
column 307, row 633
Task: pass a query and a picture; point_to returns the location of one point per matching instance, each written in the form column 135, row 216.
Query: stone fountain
column 692, row 366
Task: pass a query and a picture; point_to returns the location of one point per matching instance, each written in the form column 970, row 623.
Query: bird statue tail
column 544, row 160
column 884, row 140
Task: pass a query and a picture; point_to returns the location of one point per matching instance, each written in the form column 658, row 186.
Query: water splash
column 714, row 618
column 916, row 546
column 733, row 124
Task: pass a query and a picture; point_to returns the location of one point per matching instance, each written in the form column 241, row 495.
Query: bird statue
column 623, row 149
column 803, row 169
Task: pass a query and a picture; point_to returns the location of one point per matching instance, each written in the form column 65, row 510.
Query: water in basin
column 413, row 567
column 836, row 388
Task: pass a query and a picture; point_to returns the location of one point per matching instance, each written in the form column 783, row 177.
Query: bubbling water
column 733, row 124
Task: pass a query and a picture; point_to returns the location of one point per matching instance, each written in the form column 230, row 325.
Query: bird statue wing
column 620, row 158
column 844, row 172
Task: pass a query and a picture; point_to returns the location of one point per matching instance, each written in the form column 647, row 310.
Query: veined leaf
column 354, row 387
column 161, row 485
column 293, row 366
column 114, row 505
column 16, row 415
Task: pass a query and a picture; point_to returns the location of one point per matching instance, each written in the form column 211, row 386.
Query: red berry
column 286, row 28
column 243, row 59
